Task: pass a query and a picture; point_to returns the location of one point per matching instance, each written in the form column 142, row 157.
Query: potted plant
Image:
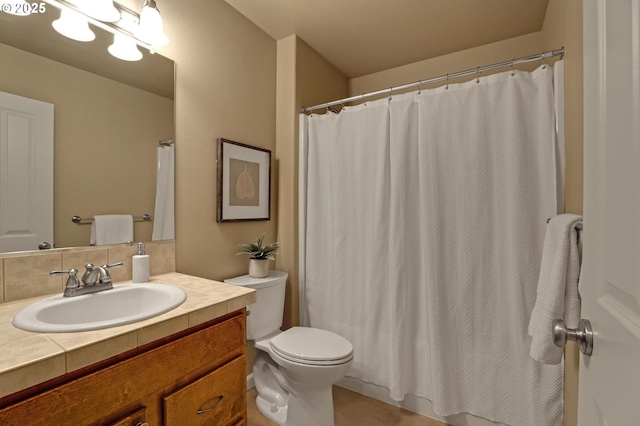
column 259, row 257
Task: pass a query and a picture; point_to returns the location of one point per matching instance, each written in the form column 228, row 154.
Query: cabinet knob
column 142, row 424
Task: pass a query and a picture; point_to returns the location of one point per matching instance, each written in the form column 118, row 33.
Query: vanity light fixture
column 129, row 28
column 73, row 25
column 102, row 10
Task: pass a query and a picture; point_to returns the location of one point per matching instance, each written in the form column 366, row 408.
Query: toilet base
column 276, row 414
column 294, row 396
column 313, row 409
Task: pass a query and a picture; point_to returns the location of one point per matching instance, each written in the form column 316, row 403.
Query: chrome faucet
column 93, row 279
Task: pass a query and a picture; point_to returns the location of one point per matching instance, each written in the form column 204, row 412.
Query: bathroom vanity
column 187, row 366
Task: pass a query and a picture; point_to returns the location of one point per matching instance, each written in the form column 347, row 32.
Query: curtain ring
column 447, row 85
column 419, row 88
column 513, row 71
column 390, row 92
column 544, row 65
column 477, row 75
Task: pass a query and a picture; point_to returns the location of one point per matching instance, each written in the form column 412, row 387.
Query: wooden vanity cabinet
column 194, row 377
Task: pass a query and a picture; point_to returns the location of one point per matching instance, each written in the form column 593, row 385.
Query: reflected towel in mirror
column 111, row 229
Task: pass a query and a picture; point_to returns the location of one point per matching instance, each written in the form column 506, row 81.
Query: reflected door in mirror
column 26, row 173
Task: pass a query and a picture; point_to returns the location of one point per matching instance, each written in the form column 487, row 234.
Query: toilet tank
column 265, row 316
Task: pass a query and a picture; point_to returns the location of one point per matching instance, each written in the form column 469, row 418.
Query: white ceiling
column 361, row 37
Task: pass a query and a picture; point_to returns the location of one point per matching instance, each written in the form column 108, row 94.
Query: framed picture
column 244, row 182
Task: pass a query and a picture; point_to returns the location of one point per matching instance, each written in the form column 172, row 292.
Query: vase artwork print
column 244, row 182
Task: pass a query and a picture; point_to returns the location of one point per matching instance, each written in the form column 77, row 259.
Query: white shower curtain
column 163, row 222
column 425, row 219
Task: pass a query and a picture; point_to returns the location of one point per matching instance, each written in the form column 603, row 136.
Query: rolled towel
column 557, row 294
column 111, row 229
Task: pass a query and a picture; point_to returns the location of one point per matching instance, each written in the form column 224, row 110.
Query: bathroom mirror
column 109, row 116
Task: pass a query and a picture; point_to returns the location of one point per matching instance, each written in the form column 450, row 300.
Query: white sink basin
column 124, row 304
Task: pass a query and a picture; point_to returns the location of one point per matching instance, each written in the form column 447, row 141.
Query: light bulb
column 124, row 48
column 150, row 28
column 73, row 25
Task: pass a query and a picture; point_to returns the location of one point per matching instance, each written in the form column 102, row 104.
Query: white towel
column 111, row 229
column 557, row 295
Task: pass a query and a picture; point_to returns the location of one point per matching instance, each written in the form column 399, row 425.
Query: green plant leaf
column 256, row 251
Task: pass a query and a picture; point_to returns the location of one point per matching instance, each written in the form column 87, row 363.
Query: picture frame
column 244, row 182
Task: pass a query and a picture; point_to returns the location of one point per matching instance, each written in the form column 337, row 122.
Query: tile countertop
column 28, row 358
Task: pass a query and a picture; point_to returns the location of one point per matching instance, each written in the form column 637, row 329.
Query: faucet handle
column 113, row 265
column 72, row 281
column 107, row 276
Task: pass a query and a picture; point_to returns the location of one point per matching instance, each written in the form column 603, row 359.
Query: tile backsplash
column 26, row 275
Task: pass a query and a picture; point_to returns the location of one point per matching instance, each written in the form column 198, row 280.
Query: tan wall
column 563, row 26
column 319, row 81
column 287, row 153
column 104, row 160
column 458, row 61
column 225, row 87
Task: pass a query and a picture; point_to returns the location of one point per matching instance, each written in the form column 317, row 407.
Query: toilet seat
column 312, row 346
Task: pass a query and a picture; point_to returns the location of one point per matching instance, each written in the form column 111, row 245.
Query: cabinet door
column 214, row 399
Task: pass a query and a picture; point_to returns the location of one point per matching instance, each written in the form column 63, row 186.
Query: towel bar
column 145, row 217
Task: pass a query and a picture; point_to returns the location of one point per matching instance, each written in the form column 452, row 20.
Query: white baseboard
column 250, row 382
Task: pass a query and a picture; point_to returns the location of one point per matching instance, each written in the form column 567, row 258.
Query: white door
column 610, row 379
column 26, row 173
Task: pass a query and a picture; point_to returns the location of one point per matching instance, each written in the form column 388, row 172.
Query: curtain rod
column 474, row 71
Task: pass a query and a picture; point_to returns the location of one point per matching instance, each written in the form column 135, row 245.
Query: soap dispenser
column 140, row 265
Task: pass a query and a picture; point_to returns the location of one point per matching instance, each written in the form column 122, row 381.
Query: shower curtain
column 163, row 222
column 424, row 225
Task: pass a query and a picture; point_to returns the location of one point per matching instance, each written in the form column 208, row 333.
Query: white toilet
column 294, row 369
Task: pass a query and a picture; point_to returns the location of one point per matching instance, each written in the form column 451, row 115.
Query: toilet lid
column 312, row 346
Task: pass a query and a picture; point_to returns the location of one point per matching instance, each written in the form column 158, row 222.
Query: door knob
column 583, row 335
column 44, row 246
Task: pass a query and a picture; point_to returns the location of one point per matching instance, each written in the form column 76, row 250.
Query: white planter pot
column 258, row 268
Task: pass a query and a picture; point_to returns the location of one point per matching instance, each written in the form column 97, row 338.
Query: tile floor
column 353, row 409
